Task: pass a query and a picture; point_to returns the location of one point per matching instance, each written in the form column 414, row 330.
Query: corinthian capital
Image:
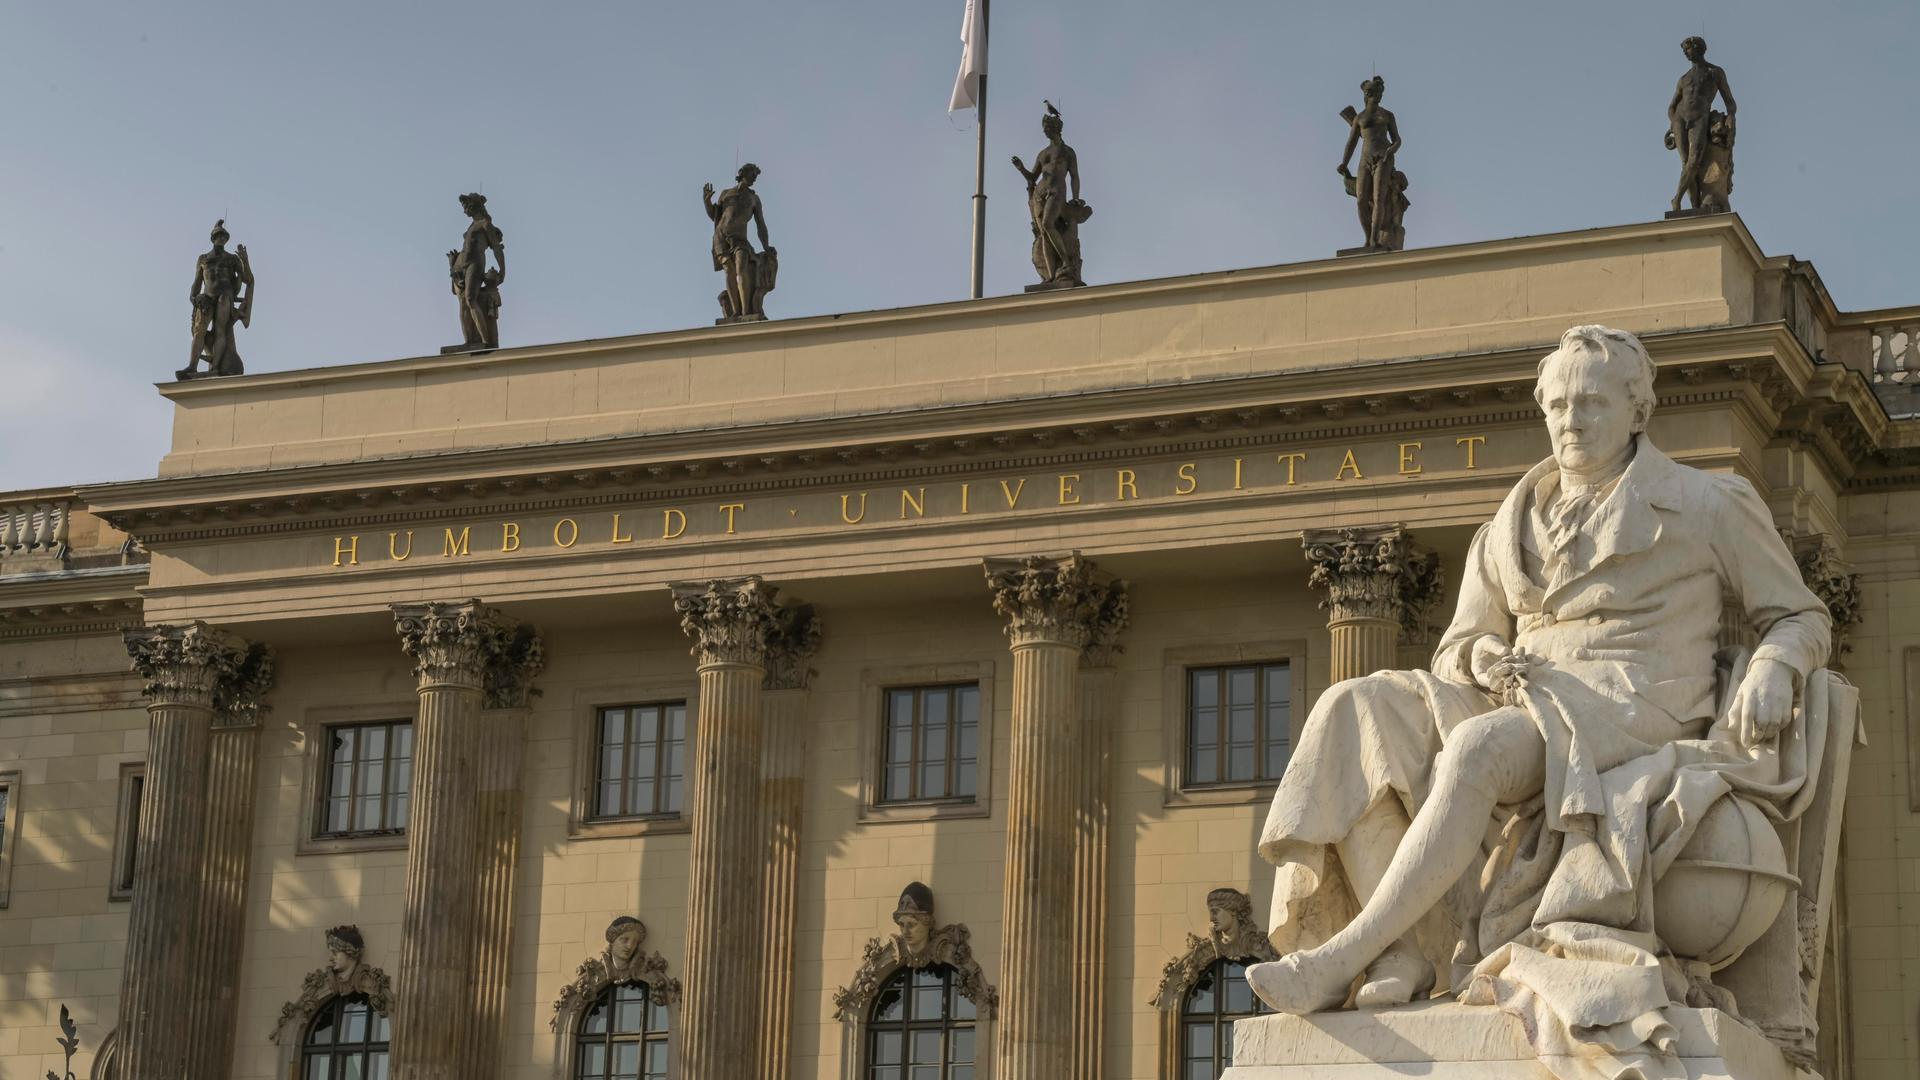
column 1064, row 599
column 1373, row 572
column 794, row 639
column 1832, row 579
column 466, row 643
column 731, row 620
column 197, row 665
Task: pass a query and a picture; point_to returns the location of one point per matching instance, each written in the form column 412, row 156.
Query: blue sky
column 335, row 137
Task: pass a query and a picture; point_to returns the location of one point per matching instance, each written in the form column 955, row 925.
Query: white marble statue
column 1579, row 798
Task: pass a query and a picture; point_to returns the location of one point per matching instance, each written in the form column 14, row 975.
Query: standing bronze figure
column 1702, row 134
column 750, row 273
column 476, row 287
column 221, row 295
column 1055, row 206
column 1380, row 189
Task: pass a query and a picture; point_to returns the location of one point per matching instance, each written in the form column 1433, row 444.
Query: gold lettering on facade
column 1126, row 488
column 1470, row 441
column 1349, row 463
column 965, row 490
column 917, row 502
column 731, row 509
column 1292, row 460
column 393, row 546
column 351, row 549
column 1408, row 466
column 1237, row 485
column 1067, row 497
column 851, row 518
column 455, row 545
column 509, row 536
column 1013, row 493
column 572, row 530
column 672, row 524
column 617, row 538
column 1188, row 483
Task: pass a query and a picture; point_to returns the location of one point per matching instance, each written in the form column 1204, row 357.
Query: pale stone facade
column 1182, row 436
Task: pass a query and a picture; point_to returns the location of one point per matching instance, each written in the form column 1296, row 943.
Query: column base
column 1444, row 1040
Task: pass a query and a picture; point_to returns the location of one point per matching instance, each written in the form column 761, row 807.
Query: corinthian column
column 1054, row 608
column 1377, row 588
column 783, row 716
column 464, row 654
column 730, row 621
column 193, row 673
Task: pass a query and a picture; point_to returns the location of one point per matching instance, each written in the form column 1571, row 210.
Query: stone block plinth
column 1449, row 1041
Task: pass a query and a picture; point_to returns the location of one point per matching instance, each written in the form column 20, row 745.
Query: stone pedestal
column 1377, row 588
column 1055, row 607
column 1448, row 1041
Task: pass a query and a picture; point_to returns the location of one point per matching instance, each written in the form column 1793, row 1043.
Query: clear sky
column 334, row 138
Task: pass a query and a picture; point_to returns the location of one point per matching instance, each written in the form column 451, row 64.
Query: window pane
column 1240, row 686
column 1205, row 692
column 899, row 782
column 647, row 726
column 318, row 1068
column 403, row 739
column 373, row 744
column 626, row 1061
column 628, row 1008
column 966, row 781
column 593, row 1060
column 886, row 1047
column 402, row 806
column 613, row 762
column 960, row 1046
column 969, row 704
column 671, row 802
column 962, row 1007
column 613, row 726
column 1200, row 1040
column 676, row 722
column 929, row 994
column 656, row 1018
column 926, row 1050
column 353, row 1068
column 1200, row 999
column 890, row 1005
column 343, row 744
column 377, row 1065
column 656, row 1061
column 321, row 1033
column 1236, row 996
column 933, row 779
column 353, row 1023
column 596, row 1021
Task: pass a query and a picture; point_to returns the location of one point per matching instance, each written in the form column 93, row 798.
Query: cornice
column 1768, row 370
column 1729, row 227
column 101, row 601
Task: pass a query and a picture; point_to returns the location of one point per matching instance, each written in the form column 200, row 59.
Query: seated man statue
column 1527, row 796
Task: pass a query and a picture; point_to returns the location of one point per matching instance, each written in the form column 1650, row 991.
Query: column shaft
column 1090, row 870
column 1362, row 647
column 222, row 924
column 782, row 795
column 498, row 782
column 719, row 1038
column 159, row 990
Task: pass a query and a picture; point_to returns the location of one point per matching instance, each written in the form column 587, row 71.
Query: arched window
column 1218, row 998
column 347, row 1039
column 921, row 1028
column 623, row 1036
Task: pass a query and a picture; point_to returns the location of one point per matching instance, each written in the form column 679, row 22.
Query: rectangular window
column 126, row 833
column 368, row 779
column 1238, row 720
column 931, row 743
column 641, row 767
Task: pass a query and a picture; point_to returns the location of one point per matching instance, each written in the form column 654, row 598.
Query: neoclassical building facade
column 889, row 695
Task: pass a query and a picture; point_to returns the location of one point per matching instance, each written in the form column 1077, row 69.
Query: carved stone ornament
column 345, row 973
column 466, row 643
column 917, row 946
column 1233, row 934
column 1103, row 644
column 1833, row 581
column 1064, row 599
column 791, row 643
column 624, row 961
column 1373, row 572
column 197, row 665
column 731, row 620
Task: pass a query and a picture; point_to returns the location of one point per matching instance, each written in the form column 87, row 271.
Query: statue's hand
column 1342, row 169
column 706, row 190
column 1763, row 704
column 1018, row 164
column 1672, row 143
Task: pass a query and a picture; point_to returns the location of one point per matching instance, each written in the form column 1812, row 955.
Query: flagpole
column 980, row 163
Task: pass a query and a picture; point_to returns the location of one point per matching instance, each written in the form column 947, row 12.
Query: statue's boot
column 1400, row 975
column 1303, row 982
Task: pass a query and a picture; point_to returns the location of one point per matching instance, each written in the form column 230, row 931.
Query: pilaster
column 1377, row 588
column 1091, row 765
column 783, row 717
column 1056, row 607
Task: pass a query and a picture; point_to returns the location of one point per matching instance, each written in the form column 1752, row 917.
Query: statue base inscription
column 1442, row 1040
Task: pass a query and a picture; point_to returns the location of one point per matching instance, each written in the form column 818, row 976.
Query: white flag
column 973, row 58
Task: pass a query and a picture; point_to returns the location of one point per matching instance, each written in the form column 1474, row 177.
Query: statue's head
column 748, row 174
column 1373, row 90
column 1226, row 910
column 914, row 916
column 625, row 937
column 474, row 203
column 345, row 947
column 1695, row 47
column 220, row 235
column 1051, row 122
column 1597, row 392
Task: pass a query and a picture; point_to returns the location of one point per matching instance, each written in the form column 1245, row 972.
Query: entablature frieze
column 1758, row 369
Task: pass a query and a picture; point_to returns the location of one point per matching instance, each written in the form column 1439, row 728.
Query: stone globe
column 1726, row 886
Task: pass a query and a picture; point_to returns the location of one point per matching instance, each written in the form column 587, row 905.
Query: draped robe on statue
column 1619, row 594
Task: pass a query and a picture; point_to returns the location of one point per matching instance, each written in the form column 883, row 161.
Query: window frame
column 583, row 821
column 1176, row 663
column 10, row 788
column 128, row 804
column 609, row 1038
column 387, row 758
column 917, row 759
column 874, row 685
column 1180, row 1018
column 335, row 1006
column 311, row 837
column 630, row 743
column 1222, row 745
column 871, row 1028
